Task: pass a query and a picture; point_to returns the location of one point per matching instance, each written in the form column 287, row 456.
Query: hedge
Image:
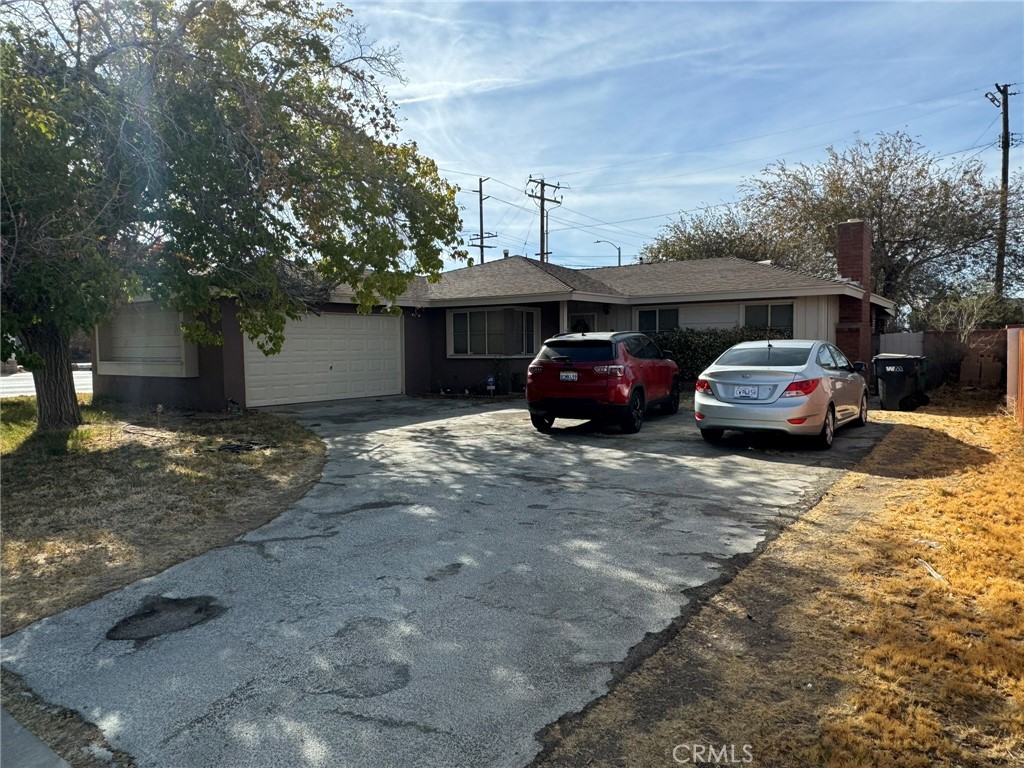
column 694, row 349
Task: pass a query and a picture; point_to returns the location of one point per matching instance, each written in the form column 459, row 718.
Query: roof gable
column 512, row 277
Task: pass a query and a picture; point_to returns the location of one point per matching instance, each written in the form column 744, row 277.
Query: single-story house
column 477, row 322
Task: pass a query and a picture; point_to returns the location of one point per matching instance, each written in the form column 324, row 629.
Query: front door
column 582, row 322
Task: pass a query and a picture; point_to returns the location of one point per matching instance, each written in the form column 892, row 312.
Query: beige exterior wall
column 815, row 317
column 144, row 339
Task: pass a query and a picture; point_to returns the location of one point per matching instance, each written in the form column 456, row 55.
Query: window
column 524, row 324
column 825, row 358
column 578, row 350
column 654, row 320
column 780, row 357
column 494, row 332
column 841, row 360
column 776, row 316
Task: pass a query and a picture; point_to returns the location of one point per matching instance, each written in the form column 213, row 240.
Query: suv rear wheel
column 542, row 423
column 634, row 418
column 672, row 404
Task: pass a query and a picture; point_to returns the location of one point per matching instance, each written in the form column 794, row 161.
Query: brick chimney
column 853, row 259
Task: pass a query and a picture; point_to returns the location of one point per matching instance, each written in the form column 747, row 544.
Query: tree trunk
column 56, row 401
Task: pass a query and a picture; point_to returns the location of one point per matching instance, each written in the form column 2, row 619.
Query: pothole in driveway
column 160, row 615
column 356, row 681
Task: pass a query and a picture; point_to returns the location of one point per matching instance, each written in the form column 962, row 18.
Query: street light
column 617, row 248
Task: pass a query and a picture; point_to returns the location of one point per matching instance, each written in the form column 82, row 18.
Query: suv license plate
column 746, row 392
column 568, row 375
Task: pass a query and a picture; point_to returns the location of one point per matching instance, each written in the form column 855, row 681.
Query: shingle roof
column 519, row 276
column 726, row 275
column 582, row 280
column 515, row 276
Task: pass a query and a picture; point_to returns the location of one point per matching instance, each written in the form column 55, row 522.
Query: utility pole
column 483, row 235
column 543, row 198
column 1003, row 101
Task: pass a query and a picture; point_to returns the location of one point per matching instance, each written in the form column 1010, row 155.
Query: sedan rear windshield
column 774, row 357
column 578, row 351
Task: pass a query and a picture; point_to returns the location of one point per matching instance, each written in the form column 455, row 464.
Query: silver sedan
column 799, row 387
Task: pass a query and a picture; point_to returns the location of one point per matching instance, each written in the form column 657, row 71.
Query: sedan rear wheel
column 634, row 418
column 712, row 435
column 862, row 417
column 828, row 430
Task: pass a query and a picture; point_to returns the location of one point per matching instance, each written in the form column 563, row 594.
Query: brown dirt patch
column 133, row 493
column 836, row 646
column 126, row 496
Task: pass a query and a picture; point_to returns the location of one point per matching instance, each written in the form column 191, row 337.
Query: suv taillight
column 703, row 386
column 801, row 388
column 610, row 370
column 536, row 369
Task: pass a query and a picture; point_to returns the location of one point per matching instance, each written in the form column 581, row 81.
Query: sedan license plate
column 746, row 392
column 568, row 375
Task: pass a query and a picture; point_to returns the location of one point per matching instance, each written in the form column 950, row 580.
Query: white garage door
column 327, row 357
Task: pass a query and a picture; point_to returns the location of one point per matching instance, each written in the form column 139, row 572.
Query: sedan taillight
column 610, row 370
column 536, row 369
column 801, row 388
column 703, row 386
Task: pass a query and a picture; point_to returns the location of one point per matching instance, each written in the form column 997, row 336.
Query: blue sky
column 644, row 109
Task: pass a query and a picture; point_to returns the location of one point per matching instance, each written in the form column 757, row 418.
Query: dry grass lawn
column 886, row 628
column 125, row 496
column 130, row 494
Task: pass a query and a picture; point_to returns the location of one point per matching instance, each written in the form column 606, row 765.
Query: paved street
column 454, row 583
column 18, row 384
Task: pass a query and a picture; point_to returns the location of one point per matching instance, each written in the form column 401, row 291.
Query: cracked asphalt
column 454, row 583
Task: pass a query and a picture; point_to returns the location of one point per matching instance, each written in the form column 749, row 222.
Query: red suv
column 610, row 376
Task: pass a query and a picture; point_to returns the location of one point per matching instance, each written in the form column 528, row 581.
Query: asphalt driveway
column 454, row 583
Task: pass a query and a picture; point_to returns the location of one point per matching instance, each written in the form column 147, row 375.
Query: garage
column 327, row 357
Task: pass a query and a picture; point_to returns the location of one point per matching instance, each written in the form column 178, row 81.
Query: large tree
column 202, row 150
column 933, row 222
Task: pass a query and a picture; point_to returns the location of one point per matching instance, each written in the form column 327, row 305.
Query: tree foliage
column 933, row 223
column 965, row 310
column 207, row 150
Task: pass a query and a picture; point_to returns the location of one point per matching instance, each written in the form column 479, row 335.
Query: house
column 477, row 322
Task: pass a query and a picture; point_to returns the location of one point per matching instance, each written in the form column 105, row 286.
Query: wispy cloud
column 651, row 107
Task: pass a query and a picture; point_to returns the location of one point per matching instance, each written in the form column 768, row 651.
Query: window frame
column 657, row 316
column 771, row 305
column 824, row 348
column 450, row 332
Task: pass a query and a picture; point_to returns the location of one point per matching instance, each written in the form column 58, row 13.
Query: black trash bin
column 900, row 381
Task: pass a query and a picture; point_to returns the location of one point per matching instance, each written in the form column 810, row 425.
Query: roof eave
column 486, row 301
column 746, row 295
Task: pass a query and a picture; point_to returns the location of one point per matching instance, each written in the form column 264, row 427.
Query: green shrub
column 694, row 349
